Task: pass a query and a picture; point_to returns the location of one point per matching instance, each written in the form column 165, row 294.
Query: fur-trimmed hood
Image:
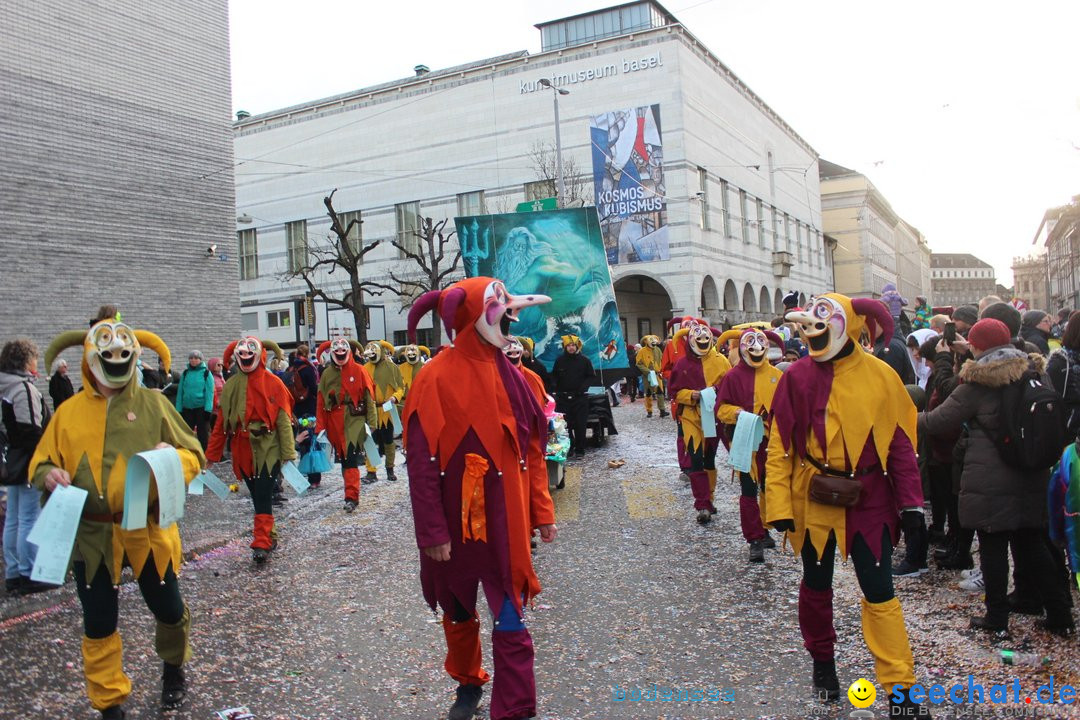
column 1001, row 366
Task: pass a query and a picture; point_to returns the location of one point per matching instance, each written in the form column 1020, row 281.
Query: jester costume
column 700, row 368
column 649, row 362
column 842, row 413
column 389, row 387
column 514, row 351
column 1064, row 494
column 413, row 358
column 478, row 485
column 256, row 418
column 673, row 352
column 749, row 387
column 89, row 442
column 345, row 410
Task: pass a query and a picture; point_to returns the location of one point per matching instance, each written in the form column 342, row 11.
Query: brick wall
column 117, row 169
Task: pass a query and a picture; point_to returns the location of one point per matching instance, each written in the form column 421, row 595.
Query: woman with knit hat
column 1002, row 503
column 1035, row 328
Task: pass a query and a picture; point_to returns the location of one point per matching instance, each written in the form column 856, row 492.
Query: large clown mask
column 500, row 309
column 514, row 350
column 248, row 353
column 373, row 352
column 110, row 350
column 823, row 327
column 340, row 351
column 651, row 341
column 700, row 339
column 412, row 354
column 754, row 348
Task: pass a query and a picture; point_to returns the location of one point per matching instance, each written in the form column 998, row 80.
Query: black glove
column 785, row 525
column 911, row 520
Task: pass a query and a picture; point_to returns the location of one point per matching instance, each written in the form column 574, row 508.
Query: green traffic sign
column 538, row 205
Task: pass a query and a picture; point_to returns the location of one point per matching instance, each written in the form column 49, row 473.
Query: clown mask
column 248, row 354
column 373, row 352
column 340, row 351
column 514, row 350
column 500, row 309
column 823, row 327
column 651, row 341
column 754, row 348
column 700, row 339
column 111, row 350
column 412, row 354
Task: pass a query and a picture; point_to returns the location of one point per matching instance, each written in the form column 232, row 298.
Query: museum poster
column 559, row 253
column 628, row 178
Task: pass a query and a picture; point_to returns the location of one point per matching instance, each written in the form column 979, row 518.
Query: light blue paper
column 653, row 382
column 749, row 432
column 371, row 449
column 54, row 534
column 707, row 405
column 207, row 479
column 293, row 476
column 164, row 465
column 391, row 408
column 322, row 439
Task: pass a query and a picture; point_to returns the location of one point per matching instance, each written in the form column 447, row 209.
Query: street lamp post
column 561, row 187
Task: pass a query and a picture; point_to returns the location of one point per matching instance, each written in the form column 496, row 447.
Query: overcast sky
column 967, row 119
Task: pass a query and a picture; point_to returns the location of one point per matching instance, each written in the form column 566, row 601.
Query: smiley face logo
column 862, row 693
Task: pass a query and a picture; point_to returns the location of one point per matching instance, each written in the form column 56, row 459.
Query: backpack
column 1031, row 424
column 295, row 383
column 1071, row 392
column 14, row 439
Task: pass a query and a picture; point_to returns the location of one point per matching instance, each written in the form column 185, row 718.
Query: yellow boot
column 103, row 666
column 887, row 639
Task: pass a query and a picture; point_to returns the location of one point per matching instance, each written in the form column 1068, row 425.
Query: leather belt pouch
column 834, row 490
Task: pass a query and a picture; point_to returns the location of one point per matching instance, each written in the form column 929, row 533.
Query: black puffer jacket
column 993, row 496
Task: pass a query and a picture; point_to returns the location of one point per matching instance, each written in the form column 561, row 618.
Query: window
column 798, row 240
column 249, row 322
column 772, row 178
column 724, row 209
column 424, row 336
column 743, row 214
column 248, row 251
column 356, row 235
column 787, row 232
column 408, row 221
column 471, row 203
column 539, row 190
column 296, row 245
column 644, row 327
column 278, row 318
column 761, row 224
column 703, row 197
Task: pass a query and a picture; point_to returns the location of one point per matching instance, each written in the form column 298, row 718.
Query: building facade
column 1030, row 281
column 739, row 223
column 117, row 184
column 875, row 246
column 960, row 279
column 1059, row 234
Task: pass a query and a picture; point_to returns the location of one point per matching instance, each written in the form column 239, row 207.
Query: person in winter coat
column 305, row 405
column 922, row 314
column 893, row 352
column 891, row 297
column 528, row 359
column 1036, row 330
column 1002, row 503
column 195, row 396
column 1063, row 368
column 24, row 417
column 573, row 374
column 60, row 388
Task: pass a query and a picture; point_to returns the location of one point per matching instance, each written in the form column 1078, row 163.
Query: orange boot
column 352, row 488
column 262, row 543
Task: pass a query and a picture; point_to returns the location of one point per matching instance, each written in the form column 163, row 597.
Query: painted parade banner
column 628, row 180
column 559, row 253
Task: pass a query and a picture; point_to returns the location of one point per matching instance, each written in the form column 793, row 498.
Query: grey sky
column 966, row 117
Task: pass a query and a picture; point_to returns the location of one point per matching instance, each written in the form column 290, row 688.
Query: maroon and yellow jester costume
column 346, row 409
column 749, row 387
column 256, row 413
column 478, row 484
column 699, row 367
column 842, row 473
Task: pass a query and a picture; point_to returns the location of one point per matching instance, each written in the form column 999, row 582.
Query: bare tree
column 340, row 254
column 433, row 266
column 545, row 163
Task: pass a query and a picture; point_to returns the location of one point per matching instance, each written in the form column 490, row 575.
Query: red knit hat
column 988, row 333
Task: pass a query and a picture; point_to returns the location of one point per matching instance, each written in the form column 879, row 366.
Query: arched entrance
column 765, row 303
column 778, row 301
column 749, row 301
column 731, row 296
column 644, row 306
column 710, row 300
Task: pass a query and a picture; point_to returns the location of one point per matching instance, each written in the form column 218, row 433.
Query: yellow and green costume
column 388, row 386
column 649, row 358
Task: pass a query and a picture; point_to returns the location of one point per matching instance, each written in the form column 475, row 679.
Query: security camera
column 211, row 250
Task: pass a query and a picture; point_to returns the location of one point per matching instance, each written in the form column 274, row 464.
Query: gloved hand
column 785, row 525
column 911, row 520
